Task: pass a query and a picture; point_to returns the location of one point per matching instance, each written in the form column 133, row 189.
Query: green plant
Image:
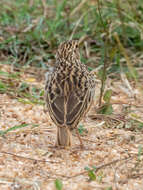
column 91, row 172
column 58, row 184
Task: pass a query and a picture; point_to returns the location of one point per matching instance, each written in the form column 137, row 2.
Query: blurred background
column 111, row 33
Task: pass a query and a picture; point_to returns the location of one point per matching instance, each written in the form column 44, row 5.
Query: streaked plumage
column 69, row 91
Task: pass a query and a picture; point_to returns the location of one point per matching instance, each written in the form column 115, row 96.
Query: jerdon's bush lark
column 69, row 91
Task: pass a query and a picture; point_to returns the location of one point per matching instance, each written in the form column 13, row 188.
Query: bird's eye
column 76, row 46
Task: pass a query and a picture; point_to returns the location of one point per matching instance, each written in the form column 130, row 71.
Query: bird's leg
column 64, row 138
column 78, row 135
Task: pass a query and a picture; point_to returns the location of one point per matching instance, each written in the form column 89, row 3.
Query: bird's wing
column 77, row 105
column 54, row 99
column 66, row 102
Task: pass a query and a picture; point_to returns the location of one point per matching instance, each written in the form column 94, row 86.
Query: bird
column 69, row 92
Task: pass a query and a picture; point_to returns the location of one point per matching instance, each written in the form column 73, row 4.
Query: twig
column 44, row 7
column 129, row 104
column 115, row 179
column 135, row 175
column 113, row 117
column 78, row 22
column 98, row 167
column 119, row 11
column 78, row 8
column 32, row 159
column 105, row 56
column 123, row 51
column 88, row 140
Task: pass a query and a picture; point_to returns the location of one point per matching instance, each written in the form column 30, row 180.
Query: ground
column 111, row 159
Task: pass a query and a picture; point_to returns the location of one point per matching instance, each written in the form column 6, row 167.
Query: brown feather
column 69, row 91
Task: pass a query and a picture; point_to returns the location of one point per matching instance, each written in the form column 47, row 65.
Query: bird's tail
column 64, row 137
